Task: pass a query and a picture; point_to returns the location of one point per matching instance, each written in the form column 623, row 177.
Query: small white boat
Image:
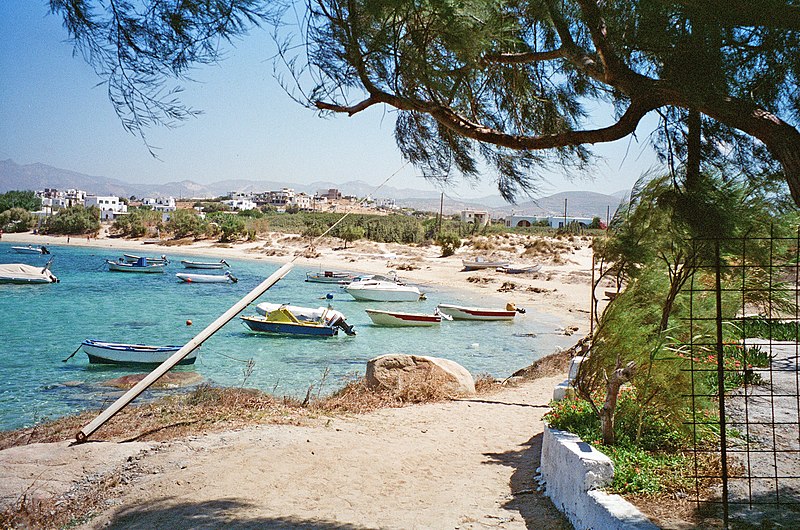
column 207, row 278
column 398, row 319
column 102, row 352
column 483, row 263
column 130, row 258
column 519, row 270
column 204, row 264
column 22, row 273
column 30, row 249
column 139, row 266
column 382, row 289
column 330, row 277
column 479, row 313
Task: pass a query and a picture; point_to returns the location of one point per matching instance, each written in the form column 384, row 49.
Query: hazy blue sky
column 53, row 111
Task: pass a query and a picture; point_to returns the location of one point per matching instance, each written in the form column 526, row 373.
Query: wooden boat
column 379, row 288
column 479, row 313
column 483, row 263
column 519, row 270
column 204, row 264
column 30, row 249
column 139, row 266
column 102, row 352
column 398, row 319
column 22, row 273
column 130, row 258
column 330, row 277
column 295, row 320
column 207, row 278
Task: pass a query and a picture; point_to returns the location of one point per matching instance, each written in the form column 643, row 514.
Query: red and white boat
column 479, row 313
column 396, row 318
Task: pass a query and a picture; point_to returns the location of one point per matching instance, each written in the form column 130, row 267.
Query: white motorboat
column 382, row 289
column 479, row 313
column 207, row 278
column 22, row 273
column 188, row 264
column 30, row 249
column 483, row 263
column 139, row 266
column 400, row 319
column 330, row 277
column 101, row 352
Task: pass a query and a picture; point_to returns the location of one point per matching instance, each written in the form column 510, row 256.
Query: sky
column 54, row 111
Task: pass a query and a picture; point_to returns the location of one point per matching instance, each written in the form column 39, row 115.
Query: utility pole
column 441, row 207
column 565, row 213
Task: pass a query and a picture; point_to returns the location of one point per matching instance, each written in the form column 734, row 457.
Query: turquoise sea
column 42, row 324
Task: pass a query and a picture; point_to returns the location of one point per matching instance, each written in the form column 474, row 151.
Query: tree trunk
column 617, row 379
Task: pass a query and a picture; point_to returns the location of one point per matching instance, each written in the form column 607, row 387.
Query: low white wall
column 573, row 472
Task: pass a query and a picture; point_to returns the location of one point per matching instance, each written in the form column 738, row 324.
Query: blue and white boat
column 30, row 249
column 141, row 265
column 102, row 352
column 294, row 320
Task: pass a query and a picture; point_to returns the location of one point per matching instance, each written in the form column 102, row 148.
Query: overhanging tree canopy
column 506, row 82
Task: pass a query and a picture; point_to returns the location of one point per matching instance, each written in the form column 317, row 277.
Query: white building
column 281, row 198
column 479, row 217
column 303, row 202
column 386, row 204
column 110, row 207
column 240, row 204
column 165, row 205
column 54, row 200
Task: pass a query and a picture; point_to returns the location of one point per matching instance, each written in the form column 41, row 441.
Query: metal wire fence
column 744, row 314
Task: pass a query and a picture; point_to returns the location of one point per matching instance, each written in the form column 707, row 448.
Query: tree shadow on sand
column 166, row 513
column 535, row 508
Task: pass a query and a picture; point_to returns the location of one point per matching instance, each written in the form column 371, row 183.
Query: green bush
column 26, row 200
column 449, row 243
column 16, row 220
column 75, row 220
column 186, row 223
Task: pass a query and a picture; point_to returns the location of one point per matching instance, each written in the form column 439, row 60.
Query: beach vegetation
column 16, row 220
column 449, row 242
column 350, row 233
column 74, row 220
column 231, row 226
column 186, row 223
column 26, row 200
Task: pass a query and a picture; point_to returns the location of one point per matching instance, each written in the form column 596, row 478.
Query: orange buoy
column 188, row 322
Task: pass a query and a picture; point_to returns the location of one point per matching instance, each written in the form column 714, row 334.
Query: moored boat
column 479, row 313
column 330, row 277
column 30, row 249
column 207, row 278
column 188, row 264
column 296, row 320
column 510, row 269
column 379, row 288
column 482, row 263
column 139, row 266
column 151, row 260
column 22, row 273
column 102, row 352
column 398, row 319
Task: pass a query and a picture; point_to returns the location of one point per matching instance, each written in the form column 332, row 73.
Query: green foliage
column 20, row 199
column 137, row 222
column 759, row 327
column 350, row 233
column 75, row 220
column 232, row 227
column 16, row 220
column 185, row 223
column 449, row 243
column 255, row 214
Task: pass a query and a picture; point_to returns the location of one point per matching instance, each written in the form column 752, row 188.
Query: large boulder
column 398, row 372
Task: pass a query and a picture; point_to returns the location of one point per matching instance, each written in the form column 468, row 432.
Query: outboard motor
column 44, row 250
column 344, row 326
column 512, row 307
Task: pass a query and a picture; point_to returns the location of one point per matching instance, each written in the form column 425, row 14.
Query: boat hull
column 115, row 266
column 202, row 265
column 380, row 291
column 27, row 250
column 330, row 277
column 21, row 273
column 205, row 278
column 130, row 258
column 475, row 313
column 479, row 264
column 137, row 354
column 395, row 319
column 263, row 325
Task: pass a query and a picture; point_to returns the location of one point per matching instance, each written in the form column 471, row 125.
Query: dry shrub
column 309, row 253
column 274, row 252
column 177, row 242
column 358, row 397
column 482, row 243
column 479, row 279
column 506, row 287
column 407, row 266
column 486, row 384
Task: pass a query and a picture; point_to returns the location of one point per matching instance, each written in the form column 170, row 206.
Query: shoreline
column 561, row 288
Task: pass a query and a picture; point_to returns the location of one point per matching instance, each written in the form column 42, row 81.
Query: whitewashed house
column 110, row 207
column 479, row 217
column 165, row 205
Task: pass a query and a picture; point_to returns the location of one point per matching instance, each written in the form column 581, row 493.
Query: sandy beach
column 460, row 464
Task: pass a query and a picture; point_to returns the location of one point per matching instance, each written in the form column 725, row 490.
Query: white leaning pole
column 187, row 348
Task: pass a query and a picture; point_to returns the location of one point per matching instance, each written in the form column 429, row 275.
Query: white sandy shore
column 461, row 464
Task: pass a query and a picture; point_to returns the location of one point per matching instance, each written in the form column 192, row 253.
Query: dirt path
column 462, row 464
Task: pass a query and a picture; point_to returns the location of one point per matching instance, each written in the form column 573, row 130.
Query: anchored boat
column 22, row 273
column 400, row 319
column 295, row 320
column 207, row 278
column 204, row 264
column 102, row 352
column 479, row 313
column 140, row 266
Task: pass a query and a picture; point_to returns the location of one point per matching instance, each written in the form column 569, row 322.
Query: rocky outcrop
column 168, row 380
column 398, row 371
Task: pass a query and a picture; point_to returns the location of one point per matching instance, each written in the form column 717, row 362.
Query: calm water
column 41, row 325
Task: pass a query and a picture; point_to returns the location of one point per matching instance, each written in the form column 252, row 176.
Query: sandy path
column 461, row 464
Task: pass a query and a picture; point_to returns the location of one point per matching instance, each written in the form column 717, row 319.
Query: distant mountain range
column 38, row 176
